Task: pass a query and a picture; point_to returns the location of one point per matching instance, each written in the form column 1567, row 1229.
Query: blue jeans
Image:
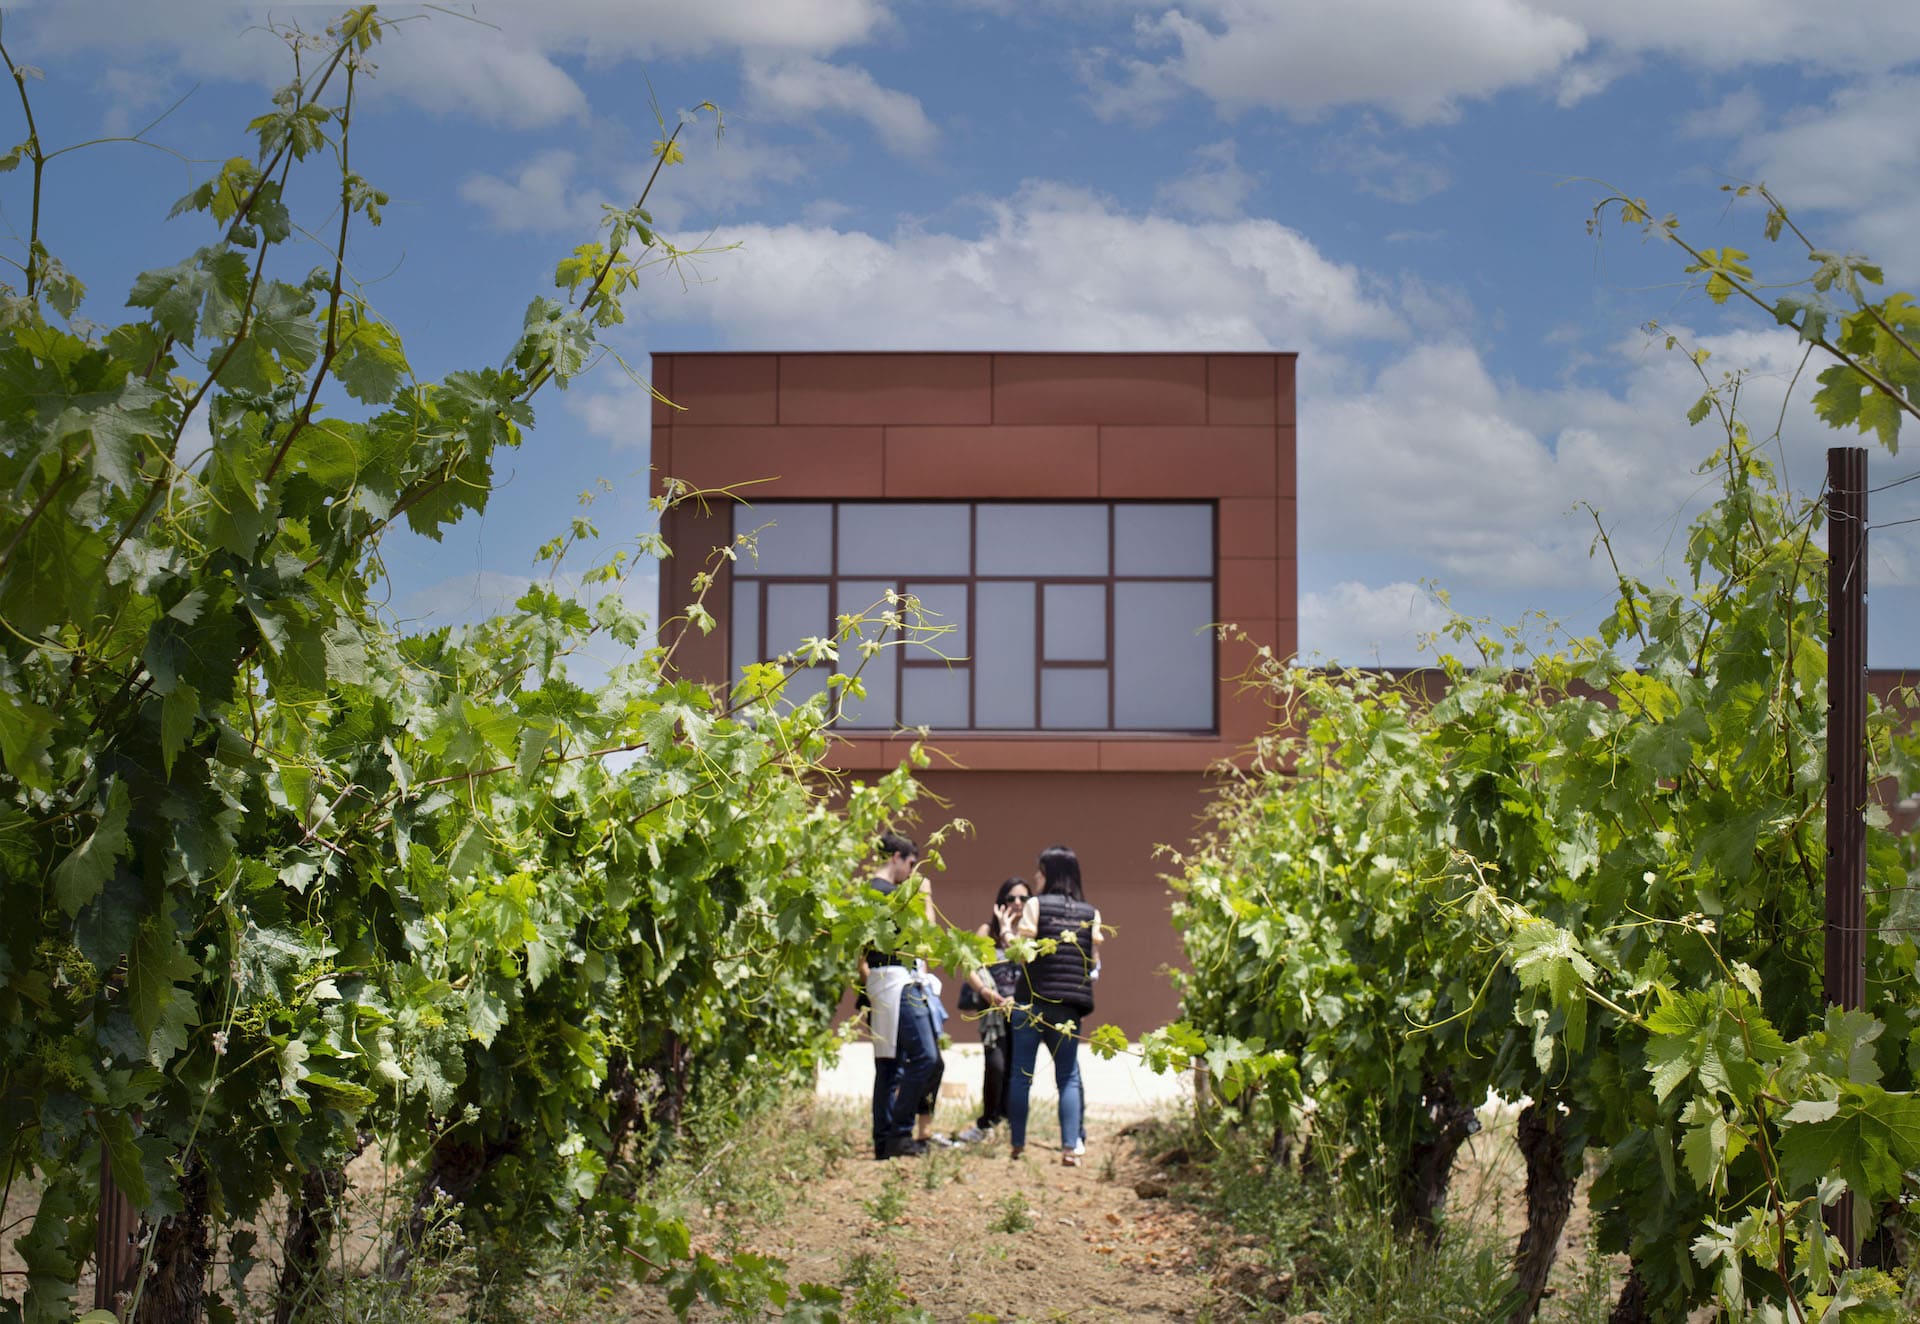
column 1029, row 1032
column 900, row 1082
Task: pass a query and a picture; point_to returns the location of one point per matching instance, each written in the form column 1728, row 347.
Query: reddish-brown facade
column 1217, row 428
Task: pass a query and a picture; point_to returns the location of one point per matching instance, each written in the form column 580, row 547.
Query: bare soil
column 978, row 1236
column 1096, row 1249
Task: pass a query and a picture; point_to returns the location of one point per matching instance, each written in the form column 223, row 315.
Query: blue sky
column 1393, row 188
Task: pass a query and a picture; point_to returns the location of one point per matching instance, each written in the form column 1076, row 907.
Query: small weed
column 889, row 1204
column 939, row 1167
column 1016, row 1215
column 1109, row 1169
column 873, row 1292
column 1589, row 1297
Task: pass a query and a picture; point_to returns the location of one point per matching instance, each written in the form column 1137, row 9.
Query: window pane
column 1004, row 667
column 934, row 696
column 794, row 612
column 900, row 538
column 943, row 632
column 1073, row 698
column 1163, row 667
column 1043, row 539
column 1076, row 622
column 791, row 538
column 1163, row 540
column 880, row 673
column 745, row 625
column 803, row 685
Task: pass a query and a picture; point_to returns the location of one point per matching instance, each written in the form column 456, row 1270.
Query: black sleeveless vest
column 1063, row 979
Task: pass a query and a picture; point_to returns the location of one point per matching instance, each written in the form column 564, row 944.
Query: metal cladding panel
column 1100, row 388
column 886, row 388
column 1005, row 460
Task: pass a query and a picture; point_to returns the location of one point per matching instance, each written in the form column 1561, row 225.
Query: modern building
column 1072, row 525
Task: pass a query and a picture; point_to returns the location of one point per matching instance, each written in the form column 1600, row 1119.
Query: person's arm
column 1029, row 926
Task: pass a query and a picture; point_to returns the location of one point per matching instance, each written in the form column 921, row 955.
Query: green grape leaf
column 370, row 363
column 162, row 1012
column 79, row 877
column 1863, row 1133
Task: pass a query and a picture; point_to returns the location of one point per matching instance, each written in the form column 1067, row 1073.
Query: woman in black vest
column 1056, row 995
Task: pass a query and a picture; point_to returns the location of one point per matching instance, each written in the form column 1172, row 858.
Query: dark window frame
column 910, row 656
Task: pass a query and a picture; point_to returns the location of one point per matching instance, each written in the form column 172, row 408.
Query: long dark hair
column 1001, row 898
column 1060, row 867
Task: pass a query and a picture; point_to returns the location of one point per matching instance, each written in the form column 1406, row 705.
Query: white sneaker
column 973, row 1135
column 1079, row 1149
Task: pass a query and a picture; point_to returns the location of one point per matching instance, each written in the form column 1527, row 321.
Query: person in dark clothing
column 930, row 1102
column 1056, row 994
column 996, row 985
column 904, row 1046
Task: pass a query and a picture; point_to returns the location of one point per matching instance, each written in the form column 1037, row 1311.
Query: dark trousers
column 900, row 1081
column 993, row 1102
column 930, row 1101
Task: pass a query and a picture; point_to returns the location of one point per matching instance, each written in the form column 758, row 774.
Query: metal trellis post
column 1846, row 748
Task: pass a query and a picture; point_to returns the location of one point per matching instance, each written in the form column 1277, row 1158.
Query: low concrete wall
column 1116, row 1089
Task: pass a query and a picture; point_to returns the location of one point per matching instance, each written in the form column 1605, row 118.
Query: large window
column 1041, row 616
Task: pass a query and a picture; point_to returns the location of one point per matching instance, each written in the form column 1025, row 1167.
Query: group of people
column 1024, row 1005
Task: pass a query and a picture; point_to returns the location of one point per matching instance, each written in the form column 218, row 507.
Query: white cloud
column 1590, row 77
column 1421, row 61
column 824, row 212
column 1052, row 268
column 1435, row 463
column 1360, row 625
column 1417, row 59
column 621, row 412
column 1384, row 172
column 1858, row 157
column 800, row 86
column 548, row 193
column 129, row 97
column 1216, row 188
column 540, row 197
column 1733, row 115
column 1861, row 36
column 436, row 60
column 497, row 64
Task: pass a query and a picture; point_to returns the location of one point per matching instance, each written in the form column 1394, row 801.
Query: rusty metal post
column 116, row 1243
column 1846, row 747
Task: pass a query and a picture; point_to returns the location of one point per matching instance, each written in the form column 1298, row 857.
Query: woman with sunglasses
column 993, row 986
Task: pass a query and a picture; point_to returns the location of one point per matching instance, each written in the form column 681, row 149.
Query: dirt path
column 971, row 1236
column 979, row 1235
